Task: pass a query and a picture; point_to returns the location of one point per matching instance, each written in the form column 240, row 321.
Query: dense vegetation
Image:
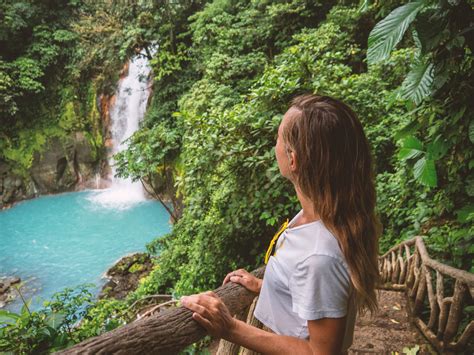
column 224, row 73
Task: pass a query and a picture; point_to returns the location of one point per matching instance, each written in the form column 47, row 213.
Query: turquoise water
column 64, row 240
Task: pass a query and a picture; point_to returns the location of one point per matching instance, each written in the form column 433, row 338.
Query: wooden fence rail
column 408, row 267
column 165, row 332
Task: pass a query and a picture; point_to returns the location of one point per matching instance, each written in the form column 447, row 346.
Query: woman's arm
column 326, row 335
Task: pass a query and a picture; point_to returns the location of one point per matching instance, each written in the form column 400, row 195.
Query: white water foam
column 126, row 114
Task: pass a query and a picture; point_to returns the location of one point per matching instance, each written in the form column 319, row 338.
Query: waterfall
column 129, row 108
column 97, row 180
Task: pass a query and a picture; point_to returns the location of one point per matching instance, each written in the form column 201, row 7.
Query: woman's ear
column 292, row 161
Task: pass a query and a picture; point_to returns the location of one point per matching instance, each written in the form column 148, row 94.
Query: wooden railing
column 408, row 267
column 165, row 332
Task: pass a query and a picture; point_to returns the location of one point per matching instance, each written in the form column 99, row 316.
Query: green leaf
column 55, row 320
column 411, row 351
column 363, row 6
column 387, row 33
column 411, row 148
column 417, row 84
column 425, row 172
column 437, row 149
column 416, row 39
column 408, row 153
column 412, row 142
column 8, row 317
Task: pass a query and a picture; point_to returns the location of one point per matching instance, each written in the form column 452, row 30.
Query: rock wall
column 71, row 162
column 66, row 164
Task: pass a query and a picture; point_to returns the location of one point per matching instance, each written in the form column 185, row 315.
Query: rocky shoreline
column 7, row 292
column 123, row 278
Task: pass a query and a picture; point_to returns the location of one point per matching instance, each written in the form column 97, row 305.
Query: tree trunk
column 166, row 332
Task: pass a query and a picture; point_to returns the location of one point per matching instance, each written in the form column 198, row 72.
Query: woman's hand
column 211, row 313
column 244, row 278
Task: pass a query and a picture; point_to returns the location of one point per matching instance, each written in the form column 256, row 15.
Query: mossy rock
column 125, row 275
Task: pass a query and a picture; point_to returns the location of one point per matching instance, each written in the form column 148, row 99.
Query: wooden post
column 455, row 311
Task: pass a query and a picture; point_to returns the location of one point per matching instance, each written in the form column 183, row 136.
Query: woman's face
column 285, row 158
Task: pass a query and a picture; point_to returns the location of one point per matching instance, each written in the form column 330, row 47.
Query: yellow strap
column 274, row 240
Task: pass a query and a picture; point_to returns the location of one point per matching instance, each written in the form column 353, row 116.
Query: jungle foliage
column 252, row 57
column 224, row 73
column 56, row 58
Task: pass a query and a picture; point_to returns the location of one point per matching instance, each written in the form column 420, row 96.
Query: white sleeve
column 320, row 288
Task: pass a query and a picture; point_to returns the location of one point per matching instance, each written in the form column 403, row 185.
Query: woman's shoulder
column 316, row 239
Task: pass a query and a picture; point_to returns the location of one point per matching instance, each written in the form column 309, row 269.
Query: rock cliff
column 70, row 162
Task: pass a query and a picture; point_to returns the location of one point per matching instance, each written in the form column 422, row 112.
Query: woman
column 325, row 266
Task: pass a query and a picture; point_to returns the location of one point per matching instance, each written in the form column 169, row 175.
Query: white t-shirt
column 307, row 279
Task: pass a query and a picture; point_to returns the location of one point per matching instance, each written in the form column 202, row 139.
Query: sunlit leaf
column 407, row 153
column 411, row 351
column 411, row 148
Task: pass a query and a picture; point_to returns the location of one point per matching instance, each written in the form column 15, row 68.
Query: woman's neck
column 309, row 214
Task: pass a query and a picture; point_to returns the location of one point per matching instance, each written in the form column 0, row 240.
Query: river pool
column 64, row 240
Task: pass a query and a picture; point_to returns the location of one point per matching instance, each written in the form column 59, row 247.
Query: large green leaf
column 7, row 316
column 387, row 33
column 437, row 149
column 425, row 172
column 411, row 148
column 417, row 84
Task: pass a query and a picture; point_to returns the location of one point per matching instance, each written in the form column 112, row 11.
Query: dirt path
column 389, row 330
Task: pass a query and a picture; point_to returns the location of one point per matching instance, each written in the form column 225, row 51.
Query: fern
column 387, row 33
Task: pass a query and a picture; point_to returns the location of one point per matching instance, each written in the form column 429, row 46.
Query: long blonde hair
column 334, row 169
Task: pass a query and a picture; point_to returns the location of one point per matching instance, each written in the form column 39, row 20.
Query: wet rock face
column 65, row 164
column 53, row 169
column 12, row 187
